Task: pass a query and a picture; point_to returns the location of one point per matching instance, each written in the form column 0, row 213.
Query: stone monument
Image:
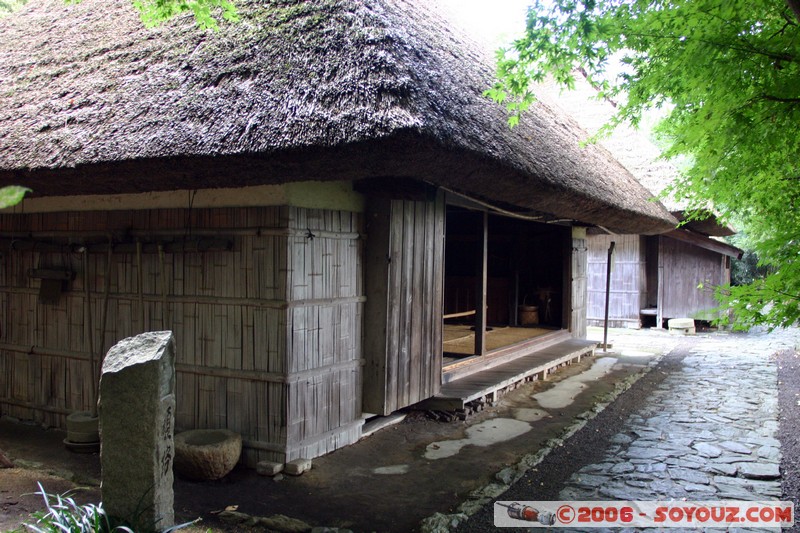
column 137, row 413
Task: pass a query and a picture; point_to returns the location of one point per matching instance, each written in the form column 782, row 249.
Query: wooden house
column 301, row 197
column 653, row 278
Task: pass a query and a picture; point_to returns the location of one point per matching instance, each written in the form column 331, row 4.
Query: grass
column 63, row 515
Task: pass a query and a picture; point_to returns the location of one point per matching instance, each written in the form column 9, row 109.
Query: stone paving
column 708, row 432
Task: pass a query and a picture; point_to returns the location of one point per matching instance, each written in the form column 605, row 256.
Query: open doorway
column 518, row 265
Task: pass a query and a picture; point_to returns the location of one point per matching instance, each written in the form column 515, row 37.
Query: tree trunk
column 795, row 5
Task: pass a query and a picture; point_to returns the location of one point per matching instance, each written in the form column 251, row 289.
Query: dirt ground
column 40, row 456
column 789, row 434
column 389, row 481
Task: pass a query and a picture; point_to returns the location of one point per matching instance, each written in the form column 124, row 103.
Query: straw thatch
column 92, row 103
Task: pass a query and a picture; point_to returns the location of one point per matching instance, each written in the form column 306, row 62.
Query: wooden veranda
column 507, row 367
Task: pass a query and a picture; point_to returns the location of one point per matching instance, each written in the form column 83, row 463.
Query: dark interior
column 525, row 267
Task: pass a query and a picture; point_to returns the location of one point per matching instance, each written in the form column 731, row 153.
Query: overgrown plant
column 63, row 515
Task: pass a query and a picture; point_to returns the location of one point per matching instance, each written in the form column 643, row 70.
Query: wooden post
column 480, row 292
column 90, row 332
column 513, row 310
column 660, row 295
column 608, row 295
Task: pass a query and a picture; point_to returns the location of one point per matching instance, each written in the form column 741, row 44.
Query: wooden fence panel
column 403, row 329
column 628, row 278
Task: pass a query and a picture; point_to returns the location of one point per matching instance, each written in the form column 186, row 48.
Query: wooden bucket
column 528, row 315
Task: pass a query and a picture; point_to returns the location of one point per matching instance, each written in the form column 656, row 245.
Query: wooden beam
column 702, row 241
column 513, row 300
column 660, row 295
column 482, row 276
column 461, row 314
column 396, row 188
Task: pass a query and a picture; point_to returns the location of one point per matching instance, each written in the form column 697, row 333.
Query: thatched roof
column 93, row 103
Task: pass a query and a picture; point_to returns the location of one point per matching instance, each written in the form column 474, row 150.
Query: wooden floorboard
column 485, row 382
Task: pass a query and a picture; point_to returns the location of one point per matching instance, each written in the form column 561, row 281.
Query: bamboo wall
column 403, row 326
column 268, row 333
column 628, row 279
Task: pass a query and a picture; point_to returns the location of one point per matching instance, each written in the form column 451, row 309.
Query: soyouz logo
column 644, row 514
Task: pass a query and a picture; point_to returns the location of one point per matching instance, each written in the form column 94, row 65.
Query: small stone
column 707, row 450
column 692, row 476
column 735, row 493
column 595, row 468
column 646, row 453
column 283, row 523
column 694, row 487
column 590, row 481
column 621, row 438
column 736, row 447
column 734, row 459
column 297, row 467
column 233, row 517
column 652, row 467
column 622, row 468
column 269, row 468
column 725, row 469
column 763, row 441
column 769, row 452
column 506, row 475
column 674, row 462
column 759, row 471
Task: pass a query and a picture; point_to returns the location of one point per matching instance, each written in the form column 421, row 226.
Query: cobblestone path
column 707, row 432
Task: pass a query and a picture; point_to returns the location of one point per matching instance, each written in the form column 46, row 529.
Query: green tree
column 9, row 6
column 205, row 12
column 726, row 73
column 154, row 12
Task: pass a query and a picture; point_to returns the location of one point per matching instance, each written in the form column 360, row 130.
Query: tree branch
column 771, row 98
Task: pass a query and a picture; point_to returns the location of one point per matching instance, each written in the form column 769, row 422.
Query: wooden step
column 503, row 355
column 457, row 393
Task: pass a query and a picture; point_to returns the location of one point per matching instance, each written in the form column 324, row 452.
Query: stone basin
column 681, row 325
column 206, row 454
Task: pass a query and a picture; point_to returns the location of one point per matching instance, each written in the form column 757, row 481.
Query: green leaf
column 12, row 195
